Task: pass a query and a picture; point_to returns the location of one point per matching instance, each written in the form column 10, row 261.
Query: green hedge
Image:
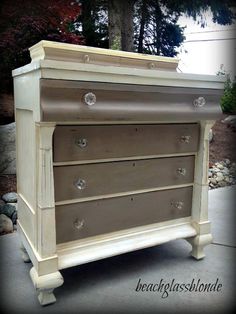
column 228, row 100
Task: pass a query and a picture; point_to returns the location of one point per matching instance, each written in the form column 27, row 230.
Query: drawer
column 82, row 220
column 78, row 143
column 63, row 100
column 91, row 180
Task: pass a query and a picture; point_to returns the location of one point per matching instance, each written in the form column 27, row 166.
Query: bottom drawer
column 86, row 219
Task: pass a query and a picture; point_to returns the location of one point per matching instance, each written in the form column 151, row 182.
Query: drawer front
column 102, row 102
column 82, row 220
column 77, row 143
column 72, row 182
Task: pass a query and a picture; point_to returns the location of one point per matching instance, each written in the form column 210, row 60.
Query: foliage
column 92, row 24
column 24, row 23
column 155, row 22
column 116, row 44
column 157, row 31
column 221, row 10
column 228, row 100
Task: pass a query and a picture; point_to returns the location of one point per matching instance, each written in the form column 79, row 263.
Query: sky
column 207, row 50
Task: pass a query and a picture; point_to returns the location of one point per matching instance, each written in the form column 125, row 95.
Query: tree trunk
column 120, row 24
column 142, row 25
column 87, row 22
column 157, row 37
column 127, row 25
column 114, row 24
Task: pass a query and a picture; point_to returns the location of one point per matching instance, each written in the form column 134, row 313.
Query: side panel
column 26, row 171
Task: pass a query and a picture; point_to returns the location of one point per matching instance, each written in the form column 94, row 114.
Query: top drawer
column 85, row 143
column 63, row 101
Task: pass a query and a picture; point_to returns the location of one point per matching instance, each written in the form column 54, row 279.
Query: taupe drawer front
column 63, row 100
column 78, row 181
column 81, row 220
column 72, row 143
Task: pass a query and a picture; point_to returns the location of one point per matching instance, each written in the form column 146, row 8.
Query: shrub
column 228, row 100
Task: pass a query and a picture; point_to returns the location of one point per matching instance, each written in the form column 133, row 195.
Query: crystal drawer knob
column 181, row 171
column 80, row 184
column 78, row 224
column 185, row 139
column 151, row 65
column 90, row 99
column 199, row 102
column 82, row 142
column 178, row 204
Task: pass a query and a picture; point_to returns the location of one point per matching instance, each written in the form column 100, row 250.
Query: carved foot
column 24, row 254
column 45, row 285
column 46, row 297
column 198, row 243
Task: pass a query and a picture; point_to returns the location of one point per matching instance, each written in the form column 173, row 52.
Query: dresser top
column 60, row 61
column 49, row 50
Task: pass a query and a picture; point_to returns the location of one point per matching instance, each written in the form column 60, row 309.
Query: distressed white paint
column 46, row 202
column 45, row 285
column 70, row 256
column 37, row 225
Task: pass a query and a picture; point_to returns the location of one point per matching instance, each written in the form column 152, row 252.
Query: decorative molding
column 45, row 167
column 78, row 53
column 46, row 210
column 69, row 256
column 200, row 190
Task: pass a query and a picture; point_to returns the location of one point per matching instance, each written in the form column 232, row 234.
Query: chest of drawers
column 112, row 156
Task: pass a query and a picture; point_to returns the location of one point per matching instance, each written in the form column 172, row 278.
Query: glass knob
column 90, row 99
column 78, row 224
column 86, row 58
column 151, row 65
column 80, row 184
column 185, row 139
column 178, row 204
column 181, row 171
column 82, row 142
column 199, row 102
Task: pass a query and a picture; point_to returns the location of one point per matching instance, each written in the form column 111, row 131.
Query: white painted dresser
column 112, row 156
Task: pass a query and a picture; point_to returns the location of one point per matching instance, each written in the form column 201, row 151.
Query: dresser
column 112, row 156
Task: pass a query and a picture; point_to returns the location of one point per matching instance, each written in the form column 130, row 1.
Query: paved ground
column 108, row 286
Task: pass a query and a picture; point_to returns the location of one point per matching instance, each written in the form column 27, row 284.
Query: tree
column 150, row 26
column 121, row 30
column 93, row 23
column 24, row 23
column 146, row 26
column 157, row 32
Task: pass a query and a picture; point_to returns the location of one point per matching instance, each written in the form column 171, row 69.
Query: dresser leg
column 24, row 254
column 198, row 243
column 45, row 285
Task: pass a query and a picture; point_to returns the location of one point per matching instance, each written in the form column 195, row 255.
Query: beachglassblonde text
column 164, row 288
